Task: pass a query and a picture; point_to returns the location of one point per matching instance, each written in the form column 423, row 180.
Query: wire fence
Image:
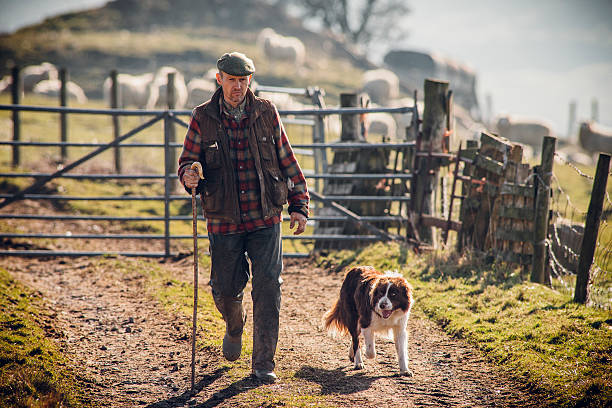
column 565, row 239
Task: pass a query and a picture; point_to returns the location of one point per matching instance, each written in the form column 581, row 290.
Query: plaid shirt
column 246, row 175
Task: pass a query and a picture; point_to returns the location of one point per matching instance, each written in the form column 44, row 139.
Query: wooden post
column 350, row 123
column 426, row 173
column 538, row 273
column 467, row 172
column 591, row 229
column 114, row 104
column 571, row 123
column 171, row 98
column 16, row 100
column 63, row 95
column 594, row 110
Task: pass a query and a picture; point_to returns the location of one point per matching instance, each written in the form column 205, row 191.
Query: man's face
column 234, row 87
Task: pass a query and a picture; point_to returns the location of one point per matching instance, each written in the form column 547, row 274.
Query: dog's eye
column 392, row 294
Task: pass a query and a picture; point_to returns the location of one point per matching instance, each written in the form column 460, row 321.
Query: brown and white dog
column 372, row 302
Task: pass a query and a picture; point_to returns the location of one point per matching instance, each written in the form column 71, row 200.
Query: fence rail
column 169, row 146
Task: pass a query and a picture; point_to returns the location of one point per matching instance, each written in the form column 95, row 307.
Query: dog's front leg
column 400, row 336
column 358, row 361
column 368, row 337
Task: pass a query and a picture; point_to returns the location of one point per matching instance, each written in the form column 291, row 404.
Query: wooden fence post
column 467, row 172
column 63, row 96
column 571, row 126
column 350, row 123
column 591, row 228
column 538, row 273
column 16, row 100
column 426, row 174
column 114, row 104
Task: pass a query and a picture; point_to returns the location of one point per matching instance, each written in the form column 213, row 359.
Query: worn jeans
column 230, row 274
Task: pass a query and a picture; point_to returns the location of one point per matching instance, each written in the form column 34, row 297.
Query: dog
column 372, row 302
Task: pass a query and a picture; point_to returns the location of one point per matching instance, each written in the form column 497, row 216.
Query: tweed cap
column 236, row 63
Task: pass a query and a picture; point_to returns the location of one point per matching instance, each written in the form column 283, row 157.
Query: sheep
column 133, row 90
column 283, row 101
column 158, row 94
column 5, row 84
column 33, row 74
column 381, row 85
column 279, row 47
column 51, row 87
column 199, row 90
column 595, row 137
column 381, row 123
column 522, row 130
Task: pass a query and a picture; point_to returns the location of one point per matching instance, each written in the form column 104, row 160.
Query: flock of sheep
column 148, row 91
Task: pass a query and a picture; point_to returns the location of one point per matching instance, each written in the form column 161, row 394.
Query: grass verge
column 536, row 334
column 33, row 372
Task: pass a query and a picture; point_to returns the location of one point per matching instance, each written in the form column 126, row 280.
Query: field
column 530, row 345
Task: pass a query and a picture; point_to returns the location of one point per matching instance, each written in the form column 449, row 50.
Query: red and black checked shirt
column 246, row 175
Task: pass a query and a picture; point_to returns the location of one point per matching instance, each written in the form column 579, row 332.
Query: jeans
column 230, row 274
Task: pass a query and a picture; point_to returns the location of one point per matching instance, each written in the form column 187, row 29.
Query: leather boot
column 233, row 313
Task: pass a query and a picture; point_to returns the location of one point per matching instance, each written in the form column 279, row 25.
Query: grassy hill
column 140, row 36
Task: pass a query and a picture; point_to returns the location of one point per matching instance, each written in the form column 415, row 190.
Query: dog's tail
column 334, row 319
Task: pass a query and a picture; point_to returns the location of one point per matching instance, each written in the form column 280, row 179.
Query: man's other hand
column 300, row 219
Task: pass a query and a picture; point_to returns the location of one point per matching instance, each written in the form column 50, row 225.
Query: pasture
column 531, row 344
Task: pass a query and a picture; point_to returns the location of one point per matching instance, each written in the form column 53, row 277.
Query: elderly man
column 250, row 172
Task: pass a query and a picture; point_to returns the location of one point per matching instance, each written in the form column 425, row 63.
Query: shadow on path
column 245, row 384
column 338, row 381
column 181, row 400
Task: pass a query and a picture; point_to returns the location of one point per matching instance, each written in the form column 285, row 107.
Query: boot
column 233, row 313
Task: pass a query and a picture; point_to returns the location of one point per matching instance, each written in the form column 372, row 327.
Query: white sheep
column 33, row 74
column 5, row 84
column 278, row 47
column 158, row 94
column 594, row 137
column 199, row 90
column 51, row 88
column 133, row 90
column 381, row 123
column 381, row 85
column 523, row 130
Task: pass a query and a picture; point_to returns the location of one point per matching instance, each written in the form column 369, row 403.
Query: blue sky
column 532, row 57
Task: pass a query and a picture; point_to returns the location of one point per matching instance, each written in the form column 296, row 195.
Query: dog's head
column 390, row 292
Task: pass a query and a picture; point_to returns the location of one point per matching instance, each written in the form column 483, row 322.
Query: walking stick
column 198, row 167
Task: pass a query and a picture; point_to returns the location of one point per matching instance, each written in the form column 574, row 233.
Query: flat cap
column 236, row 63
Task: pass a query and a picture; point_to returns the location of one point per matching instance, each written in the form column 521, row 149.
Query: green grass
column 537, row 334
column 33, row 372
column 571, row 197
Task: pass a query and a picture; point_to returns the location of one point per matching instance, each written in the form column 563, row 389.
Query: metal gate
column 318, row 148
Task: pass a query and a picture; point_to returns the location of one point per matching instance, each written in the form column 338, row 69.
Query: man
column 250, row 171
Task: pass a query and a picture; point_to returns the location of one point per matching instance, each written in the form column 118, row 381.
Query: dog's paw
column 406, row 373
column 359, row 366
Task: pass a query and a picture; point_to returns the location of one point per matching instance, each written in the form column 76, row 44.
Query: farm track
column 130, row 351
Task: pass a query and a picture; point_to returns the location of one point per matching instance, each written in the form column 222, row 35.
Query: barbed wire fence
column 565, row 240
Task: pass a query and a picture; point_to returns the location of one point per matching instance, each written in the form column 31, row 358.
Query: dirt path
column 132, row 353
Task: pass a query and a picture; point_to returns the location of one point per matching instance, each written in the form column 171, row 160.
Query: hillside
column 140, row 36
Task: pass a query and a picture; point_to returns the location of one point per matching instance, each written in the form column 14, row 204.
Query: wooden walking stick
column 198, row 167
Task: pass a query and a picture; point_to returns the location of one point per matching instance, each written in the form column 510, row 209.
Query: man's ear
column 219, row 78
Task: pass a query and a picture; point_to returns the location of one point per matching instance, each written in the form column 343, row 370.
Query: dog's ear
column 407, row 295
column 363, row 303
